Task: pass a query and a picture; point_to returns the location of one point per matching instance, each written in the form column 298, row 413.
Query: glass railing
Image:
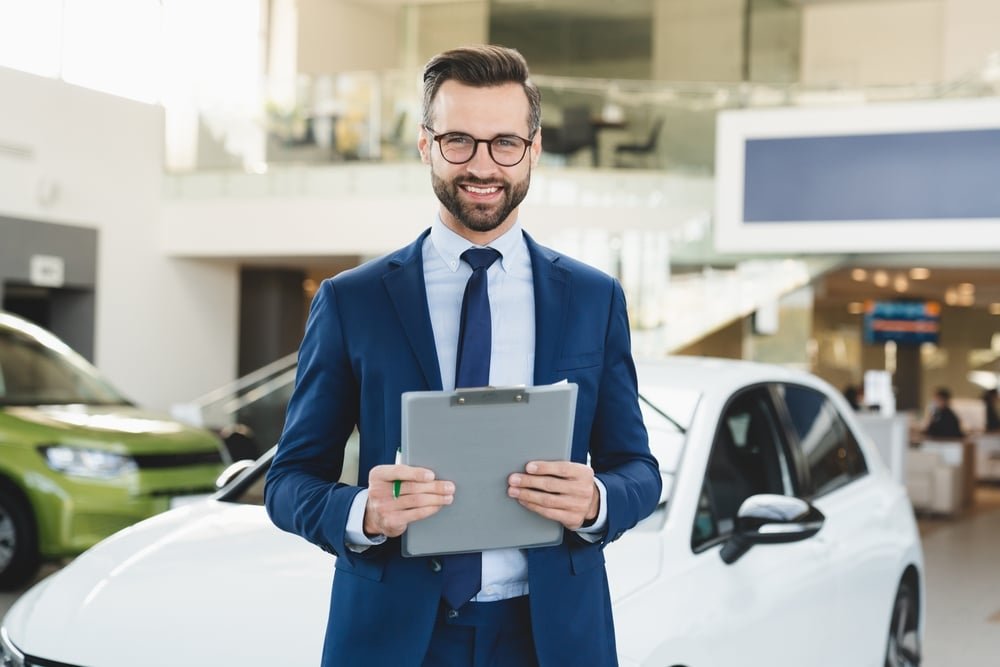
column 359, row 117
column 249, row 412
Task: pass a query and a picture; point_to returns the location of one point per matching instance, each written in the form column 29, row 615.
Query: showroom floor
column 963, row 585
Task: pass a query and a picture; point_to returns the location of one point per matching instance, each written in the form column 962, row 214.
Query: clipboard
column 477, row 438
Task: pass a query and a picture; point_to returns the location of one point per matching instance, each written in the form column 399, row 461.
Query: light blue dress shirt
column 512, row 362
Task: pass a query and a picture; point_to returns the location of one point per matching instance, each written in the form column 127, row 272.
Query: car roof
column 710, row 375
column 12, row 322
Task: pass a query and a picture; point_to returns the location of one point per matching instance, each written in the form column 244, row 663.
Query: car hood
column 163, row 580
column 121, row 424
column 217, row 581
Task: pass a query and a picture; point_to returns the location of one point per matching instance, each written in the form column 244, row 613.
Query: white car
column 780, row 540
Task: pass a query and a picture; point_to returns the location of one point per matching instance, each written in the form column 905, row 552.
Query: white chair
column 988, row 456
column 933, row 484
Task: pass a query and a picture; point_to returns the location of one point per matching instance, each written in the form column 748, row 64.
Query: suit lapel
column 551, row 282
column 405, row 284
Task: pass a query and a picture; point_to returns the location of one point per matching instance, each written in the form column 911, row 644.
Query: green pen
column 397, row 484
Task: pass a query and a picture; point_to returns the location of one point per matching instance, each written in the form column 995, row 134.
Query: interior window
column 832, row 455
column 747, row 458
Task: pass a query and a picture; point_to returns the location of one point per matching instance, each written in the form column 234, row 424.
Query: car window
column 251, row 492
column 34, row 374
column 248, row 487
column 829, row 449
column 748, row 457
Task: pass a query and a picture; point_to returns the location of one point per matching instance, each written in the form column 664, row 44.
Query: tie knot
column 480, row 258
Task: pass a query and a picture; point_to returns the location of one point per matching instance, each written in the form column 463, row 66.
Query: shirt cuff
column 355, row 536
column 594, row 531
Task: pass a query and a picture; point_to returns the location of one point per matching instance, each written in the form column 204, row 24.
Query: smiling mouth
column 481, row 189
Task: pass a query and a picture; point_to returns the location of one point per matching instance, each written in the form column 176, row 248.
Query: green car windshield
column 41, row 370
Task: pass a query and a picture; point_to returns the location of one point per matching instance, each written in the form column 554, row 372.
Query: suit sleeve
column 302, row 493
column 619, row 443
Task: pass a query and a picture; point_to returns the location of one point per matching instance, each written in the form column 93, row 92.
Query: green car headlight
column 87, row 462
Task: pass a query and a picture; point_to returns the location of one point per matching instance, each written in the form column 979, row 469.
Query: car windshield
column 667, row 413
column 36, row 371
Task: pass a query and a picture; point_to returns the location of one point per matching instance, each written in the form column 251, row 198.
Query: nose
column 481, row 163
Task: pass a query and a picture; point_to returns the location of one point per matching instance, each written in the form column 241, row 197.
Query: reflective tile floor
column 963, row 585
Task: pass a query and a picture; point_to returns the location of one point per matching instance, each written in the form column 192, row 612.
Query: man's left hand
column 558, row 490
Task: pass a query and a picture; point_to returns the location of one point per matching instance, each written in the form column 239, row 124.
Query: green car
column 78, row 461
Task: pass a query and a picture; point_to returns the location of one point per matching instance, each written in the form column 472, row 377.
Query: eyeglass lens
column 505, row 150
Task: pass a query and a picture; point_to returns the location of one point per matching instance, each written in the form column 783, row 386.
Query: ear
column 423, row 145
column 536, row 148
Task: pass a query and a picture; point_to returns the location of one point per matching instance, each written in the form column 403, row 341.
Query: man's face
column 479, row 196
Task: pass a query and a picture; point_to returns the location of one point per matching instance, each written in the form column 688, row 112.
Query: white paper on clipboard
column 477, row 438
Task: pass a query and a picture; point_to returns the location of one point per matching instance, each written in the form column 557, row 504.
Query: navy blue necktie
column 463, row 572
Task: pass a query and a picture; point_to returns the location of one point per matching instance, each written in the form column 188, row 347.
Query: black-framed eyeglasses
column 507, row 150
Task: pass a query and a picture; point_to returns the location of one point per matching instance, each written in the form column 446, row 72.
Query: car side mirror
column 771, row 519
column 232, row 471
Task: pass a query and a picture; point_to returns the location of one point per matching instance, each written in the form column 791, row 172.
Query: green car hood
column 119, row 428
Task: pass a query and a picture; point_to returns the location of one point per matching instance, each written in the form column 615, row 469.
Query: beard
column 480, row 217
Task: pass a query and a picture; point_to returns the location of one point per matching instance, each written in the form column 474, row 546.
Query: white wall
column 971, row 34
column 444, row 26
column 698, row 40
column 344, row 35
column 897, row 41
column 166, row 328
column 311, row 212
column 871, row 43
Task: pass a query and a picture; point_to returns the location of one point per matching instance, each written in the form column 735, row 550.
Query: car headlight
column 10, row 656
column 85, row 462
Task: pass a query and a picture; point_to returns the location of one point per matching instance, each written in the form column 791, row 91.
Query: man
column 943, row 422
column 403, row 323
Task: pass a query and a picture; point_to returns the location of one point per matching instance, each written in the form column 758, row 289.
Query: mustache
column 480, row 182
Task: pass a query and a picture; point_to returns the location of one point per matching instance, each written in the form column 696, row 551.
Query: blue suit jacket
column 368, row 340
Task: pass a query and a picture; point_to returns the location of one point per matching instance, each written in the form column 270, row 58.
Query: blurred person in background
column 992, row 416
column 855, row 397
column 943, row 422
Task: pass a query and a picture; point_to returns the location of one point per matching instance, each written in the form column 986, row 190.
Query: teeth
column 481, row 191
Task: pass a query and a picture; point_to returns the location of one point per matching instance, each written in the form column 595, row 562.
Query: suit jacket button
column 435, row 565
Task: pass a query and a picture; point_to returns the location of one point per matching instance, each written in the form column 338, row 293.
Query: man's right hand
column 420, row 496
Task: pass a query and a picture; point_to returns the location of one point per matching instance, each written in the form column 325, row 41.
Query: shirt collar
column 450, row 245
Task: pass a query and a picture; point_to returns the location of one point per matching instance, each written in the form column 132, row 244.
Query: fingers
column 400, row 494
column 563, row 469
column 391, row 472
column 571, row 520
column 390, row 516
column 558, row 490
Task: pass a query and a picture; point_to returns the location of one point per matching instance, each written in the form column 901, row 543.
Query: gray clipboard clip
column 490, row 396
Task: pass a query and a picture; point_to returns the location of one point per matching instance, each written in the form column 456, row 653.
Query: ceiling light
column 919, row 273
column 859, row 275
column 995, row 309
column 951, row 297
column 900, row 283
column 966, row 288
column 856, row 307
column 966, row 299
column 880, row 278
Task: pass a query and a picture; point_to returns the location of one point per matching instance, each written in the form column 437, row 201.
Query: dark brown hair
column 483, row 67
